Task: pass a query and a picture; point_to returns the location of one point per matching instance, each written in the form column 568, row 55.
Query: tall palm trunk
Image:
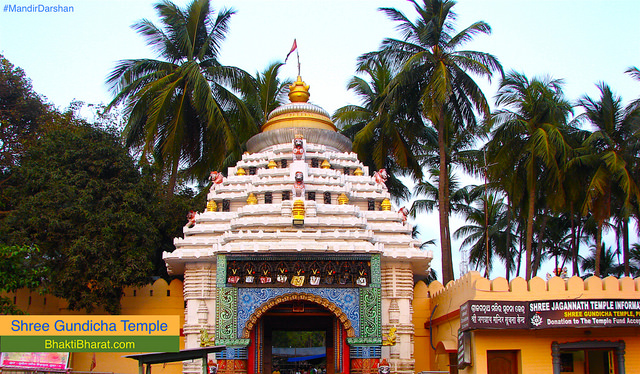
column 574, row 242
column 508, row 259
column 530, row 214
column 596, row 271
column 625, row 246
column 443, row 204
column 173, row 178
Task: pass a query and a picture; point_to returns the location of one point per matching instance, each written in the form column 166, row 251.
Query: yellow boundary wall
column 158, row 298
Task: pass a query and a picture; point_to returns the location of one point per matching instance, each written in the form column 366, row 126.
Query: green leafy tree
column 19, row 268
column 21, row 114
column 80, row 199
column 528, row 144
column 181, row 109
column 434, row 69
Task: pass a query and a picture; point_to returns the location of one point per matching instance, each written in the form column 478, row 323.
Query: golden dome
column 299, row 91
column 299, row 113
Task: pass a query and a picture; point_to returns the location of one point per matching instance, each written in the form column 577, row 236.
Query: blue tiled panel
column 347, row 299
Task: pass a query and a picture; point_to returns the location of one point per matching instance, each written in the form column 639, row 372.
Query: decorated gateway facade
column 298, row 236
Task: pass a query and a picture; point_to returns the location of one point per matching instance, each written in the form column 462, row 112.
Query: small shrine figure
column 249, row 273
column 191, row 219
column 205, row 339
column 298, row 279
column 213, row 367
column 265, row 274
column 345, row 274
column 391, row 337
column 329, row 273
column 298, row 186
column 381, row 176
column 215, row 178
column 233, row 271
column 362, row 275
column 298, row 148
column 282, row 273
column 384, row 367
column 404, row 213
column 314, row 278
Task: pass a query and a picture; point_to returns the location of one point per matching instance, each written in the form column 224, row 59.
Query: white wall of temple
column 200, row 300
column 397, row 311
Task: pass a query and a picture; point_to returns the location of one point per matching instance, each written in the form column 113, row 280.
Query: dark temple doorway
column 314, row 325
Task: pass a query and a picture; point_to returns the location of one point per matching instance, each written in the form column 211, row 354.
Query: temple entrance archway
column 298, row 315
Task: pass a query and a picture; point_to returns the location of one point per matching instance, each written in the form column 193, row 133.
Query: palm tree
column 179, row 107
column 606, row 259
column 460, row 198
column 527, row 141
column 634, row 72
column 265, row 93
column 270, row 92
column 436, row 71
column 487, row 226
column 384, row 134
column 611, row 151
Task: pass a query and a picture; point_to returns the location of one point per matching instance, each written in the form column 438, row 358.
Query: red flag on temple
column 293, row 48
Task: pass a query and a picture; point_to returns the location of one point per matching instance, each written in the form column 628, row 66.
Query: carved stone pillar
column 199, row 296
column 397, row 296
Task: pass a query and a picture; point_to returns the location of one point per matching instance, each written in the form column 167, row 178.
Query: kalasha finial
column 299, row 91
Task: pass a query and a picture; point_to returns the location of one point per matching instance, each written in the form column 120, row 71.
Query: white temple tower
column 299, row 236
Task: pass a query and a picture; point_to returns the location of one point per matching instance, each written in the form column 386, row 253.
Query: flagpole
column 298, row 55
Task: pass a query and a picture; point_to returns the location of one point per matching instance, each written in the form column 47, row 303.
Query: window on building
column 268, row 198
column 315, row 163
column 327, row 197
column 286, row 195
column 346, row 171
column 371, row 204
column 311, row 195
column 283, row 163
column 226, row 205
column 252, row 170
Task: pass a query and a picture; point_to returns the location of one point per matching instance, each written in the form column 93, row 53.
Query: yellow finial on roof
column 299, row 91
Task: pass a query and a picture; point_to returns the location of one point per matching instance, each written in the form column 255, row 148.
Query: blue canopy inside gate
column 305, row 358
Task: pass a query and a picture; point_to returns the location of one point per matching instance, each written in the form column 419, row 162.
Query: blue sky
column 68, row 55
